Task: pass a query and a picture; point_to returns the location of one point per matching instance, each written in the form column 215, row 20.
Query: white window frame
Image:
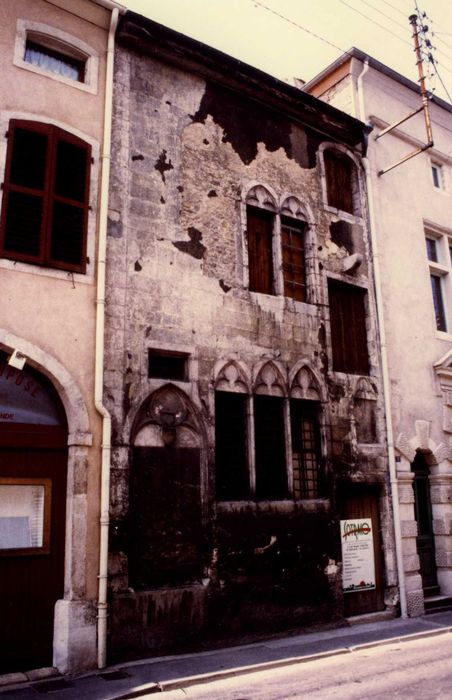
column 439, row 169
column 57, row 40
column 441, row 269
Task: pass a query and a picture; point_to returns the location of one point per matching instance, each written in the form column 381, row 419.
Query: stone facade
column 199, row 142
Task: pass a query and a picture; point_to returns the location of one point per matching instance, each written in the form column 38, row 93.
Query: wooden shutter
column 294, row 273
column 348, row 328
column 260, row 253
column 338, row 171
column 45, row 196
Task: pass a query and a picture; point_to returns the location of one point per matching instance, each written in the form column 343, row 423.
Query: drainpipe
column 99, row 352
column 384, row 358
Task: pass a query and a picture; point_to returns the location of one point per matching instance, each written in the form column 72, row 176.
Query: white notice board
column 358, row 561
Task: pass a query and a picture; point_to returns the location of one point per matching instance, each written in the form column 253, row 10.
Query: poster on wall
column 358, row 560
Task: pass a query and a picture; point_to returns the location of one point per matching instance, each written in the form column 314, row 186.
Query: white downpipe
column 99, row 352
column 384, row 359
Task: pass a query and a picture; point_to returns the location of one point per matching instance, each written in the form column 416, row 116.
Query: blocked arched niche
column 167, row 417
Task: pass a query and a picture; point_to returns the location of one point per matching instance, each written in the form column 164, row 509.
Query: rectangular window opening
column 305, row 449
column 348, row 328
column 293, row 259
column 437, row 176
column 269, row 435
column 260, row 250
column 164, row 364
column 231, row 460
column 438, row 303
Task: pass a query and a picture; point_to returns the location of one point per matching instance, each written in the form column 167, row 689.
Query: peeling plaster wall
column 183, row 153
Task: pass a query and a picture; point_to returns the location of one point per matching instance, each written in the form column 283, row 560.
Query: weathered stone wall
column 185, row 152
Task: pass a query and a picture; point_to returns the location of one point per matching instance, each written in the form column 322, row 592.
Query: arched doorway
column 425, row 541
column 33, row 473
column 165, row 505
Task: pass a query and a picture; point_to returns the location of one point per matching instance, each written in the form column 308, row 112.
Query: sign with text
column 358, row 562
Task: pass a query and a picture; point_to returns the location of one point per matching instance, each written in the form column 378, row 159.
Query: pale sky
column 246, row 30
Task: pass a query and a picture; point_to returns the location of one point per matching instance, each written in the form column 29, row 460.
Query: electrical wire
column 375, row 23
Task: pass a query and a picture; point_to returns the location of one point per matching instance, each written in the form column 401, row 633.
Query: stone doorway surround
column 438, row 458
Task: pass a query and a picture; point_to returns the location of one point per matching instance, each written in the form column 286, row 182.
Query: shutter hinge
column 92, row 160
column 6, row 134
column 88, row 260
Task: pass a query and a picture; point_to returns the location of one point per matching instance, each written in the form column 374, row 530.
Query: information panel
column 358, row 560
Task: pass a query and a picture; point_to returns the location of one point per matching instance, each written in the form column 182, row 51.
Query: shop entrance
column 33, row 471
column 362, row 504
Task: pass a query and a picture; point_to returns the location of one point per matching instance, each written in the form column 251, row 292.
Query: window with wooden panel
column 293, row 258
column 45, row 196
column 339, row 174
column 260, row 225
column 348, row 328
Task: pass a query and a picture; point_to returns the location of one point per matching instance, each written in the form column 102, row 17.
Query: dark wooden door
column 165, row 523
column 31, row 572
column 363, row 503
column 425, row 541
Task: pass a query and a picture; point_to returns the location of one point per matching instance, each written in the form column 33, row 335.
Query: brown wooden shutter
column 260, row 254
column 46, row 196
column 348, row 328
column 338, row 171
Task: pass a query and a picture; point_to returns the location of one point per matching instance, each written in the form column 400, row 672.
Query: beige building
column 55, row 101
column 411, row 232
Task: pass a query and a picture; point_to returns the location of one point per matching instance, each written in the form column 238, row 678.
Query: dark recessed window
column 55, row 61
column 231, row 460
column 45, row 196
column 305, row 449
column 348, row 328
column 269, row 439
column 167, row 365
column 438, row 303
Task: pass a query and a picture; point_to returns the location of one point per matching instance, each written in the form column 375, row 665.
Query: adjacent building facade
column 52, row 100
column 412, row 243
column 242, row 365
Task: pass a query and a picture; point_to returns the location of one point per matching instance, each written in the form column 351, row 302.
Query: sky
column 299, row 38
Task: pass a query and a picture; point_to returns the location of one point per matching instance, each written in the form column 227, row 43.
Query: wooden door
column 425, row 541
column 33, row 469
column 363, row 503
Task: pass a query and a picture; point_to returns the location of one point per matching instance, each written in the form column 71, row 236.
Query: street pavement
column 157, row 674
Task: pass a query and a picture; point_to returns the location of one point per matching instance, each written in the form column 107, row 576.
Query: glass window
column 432, row 253
column 438, row 302
column 54, row 61
column 24, row 514
column 293, row 259
column 305, row 449
column 437, row 176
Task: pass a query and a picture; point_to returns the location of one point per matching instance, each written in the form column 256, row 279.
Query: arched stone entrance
column 56, row 433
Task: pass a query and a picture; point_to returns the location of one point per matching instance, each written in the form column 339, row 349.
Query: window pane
column 436, row 175
column 292, row 239
column 231, row 467
column 260, row 254
column 271, row 475
column 67, row 234
column 70, row 175
column 438, row 303
column 54, row 61
column 432, row 253
column 167, row 365
column 21, row 516
column 28, row 163
column 23, row 224
column 305, row 449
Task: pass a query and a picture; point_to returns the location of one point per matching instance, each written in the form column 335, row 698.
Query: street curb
column 199, row 679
